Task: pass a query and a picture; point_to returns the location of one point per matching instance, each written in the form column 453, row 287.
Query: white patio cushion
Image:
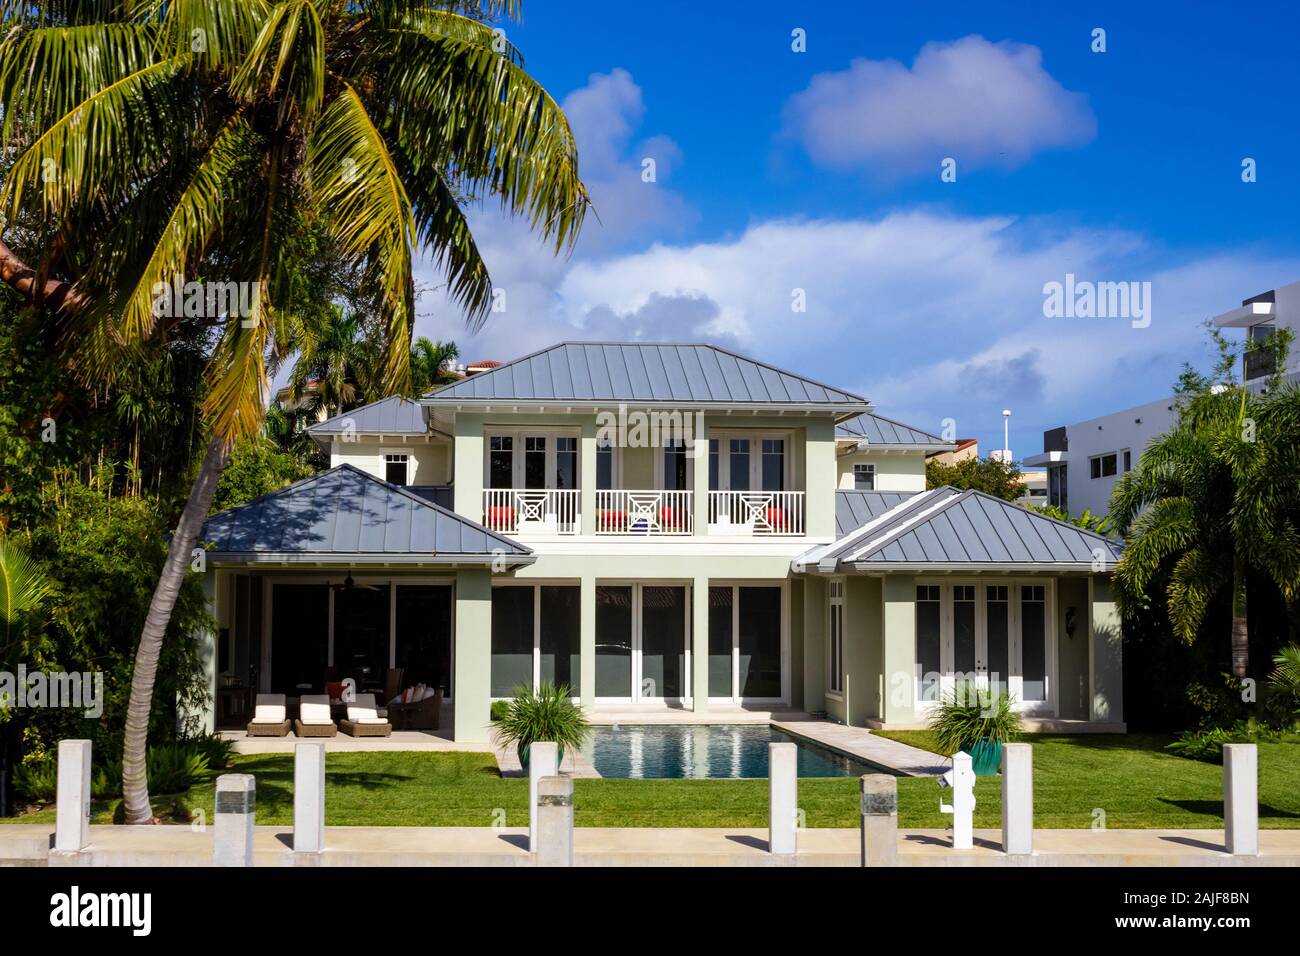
column 314, row 709
column 270, row 709
column 364, row 711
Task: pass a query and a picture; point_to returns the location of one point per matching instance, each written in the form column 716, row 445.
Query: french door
column 995, row 636
column 643, row 647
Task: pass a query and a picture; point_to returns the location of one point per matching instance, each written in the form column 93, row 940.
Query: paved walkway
column 28, row 844
column 899, row 758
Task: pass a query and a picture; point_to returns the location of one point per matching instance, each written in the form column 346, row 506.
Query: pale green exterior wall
column 473, row 652
column 898, row 615
column 862, row 653
column 1105, row 652
column 901, row 471
column 814, row 642
column 1072, row 652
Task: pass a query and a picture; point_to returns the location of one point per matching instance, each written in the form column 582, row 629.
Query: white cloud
column 981, row 103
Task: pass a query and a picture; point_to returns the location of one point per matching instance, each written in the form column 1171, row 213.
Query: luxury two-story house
column 657, row 526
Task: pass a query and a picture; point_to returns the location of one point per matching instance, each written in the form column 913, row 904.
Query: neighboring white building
column 1084, row 460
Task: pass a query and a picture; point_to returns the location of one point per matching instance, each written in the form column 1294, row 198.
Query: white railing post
column 72, row 817
column 554, row 821
column 1017, row 799
column 783, row 798
column 309, row 798
column 235, row 820
column 1241, row 799
column 961, row 778
column 543, row 761
column 879, row 820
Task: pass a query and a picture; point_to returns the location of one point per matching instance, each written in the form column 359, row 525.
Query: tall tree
column 332, row 370
column 990, row 475
column 429, row 361
column 174, row 140
column 1215, row 502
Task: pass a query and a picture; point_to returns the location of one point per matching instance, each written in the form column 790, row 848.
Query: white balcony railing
column 756, row 512
column 532, row 510
column 645, row 512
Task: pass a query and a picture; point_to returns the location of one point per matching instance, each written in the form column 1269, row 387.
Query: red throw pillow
column 335, row 689
column 776, row 517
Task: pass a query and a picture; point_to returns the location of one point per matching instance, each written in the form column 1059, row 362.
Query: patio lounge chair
column 363, row 719
column 417, row 715
column 269, row 718
column 314, row 717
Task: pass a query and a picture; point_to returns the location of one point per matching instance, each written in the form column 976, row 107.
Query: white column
column 1017, row 798
column 234, row 820
column 543, row 761
column 1240, row 799
column 555, row 821
column 783, row 798
column 309, row 797
column 72, row 819
column 879, row 820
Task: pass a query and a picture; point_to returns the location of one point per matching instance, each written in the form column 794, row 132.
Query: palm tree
column 333, row 363
column 1214, row 503
column 24, row 586
column 429, row 361
column 172, row 139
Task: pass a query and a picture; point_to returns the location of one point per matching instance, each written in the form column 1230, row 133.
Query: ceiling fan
column 351, row 585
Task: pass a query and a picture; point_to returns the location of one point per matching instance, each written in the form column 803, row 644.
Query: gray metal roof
column 388, row 416
column 878, row 430
column 345, row 513
column 947, row 529
column 644, row 373
column 855, row 508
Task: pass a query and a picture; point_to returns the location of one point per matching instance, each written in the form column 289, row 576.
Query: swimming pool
column 713, row 751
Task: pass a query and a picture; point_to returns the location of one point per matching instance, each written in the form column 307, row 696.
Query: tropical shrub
column 499, row 709
column 547, row 714
column 968, row 715
column 1207, row 743
column 38, row 782
column 172, row 768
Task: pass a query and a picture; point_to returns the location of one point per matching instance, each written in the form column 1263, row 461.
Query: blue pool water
column 715, row 751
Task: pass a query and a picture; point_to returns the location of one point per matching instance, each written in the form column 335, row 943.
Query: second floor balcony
column 644, row 512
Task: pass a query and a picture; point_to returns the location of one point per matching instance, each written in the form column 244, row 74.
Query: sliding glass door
column 746, row 642
column 614, row 641
column 535, row 637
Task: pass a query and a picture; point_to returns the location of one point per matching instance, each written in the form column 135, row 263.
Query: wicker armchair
column 420, row 715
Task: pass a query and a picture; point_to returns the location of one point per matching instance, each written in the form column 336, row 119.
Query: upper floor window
column 604, row 466
column 773, row 464
column 397, row 469
column 1103, row 466
column 501, row 461
column 534, row 461
column 1126, row 455
column 676, row 474
column 864, row 477
column 740, row 463
column 1260, row 358
column 566, row 462
column 1057, row 495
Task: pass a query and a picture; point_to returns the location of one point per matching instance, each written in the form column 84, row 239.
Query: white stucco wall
column 899, row 471
column 430, row 460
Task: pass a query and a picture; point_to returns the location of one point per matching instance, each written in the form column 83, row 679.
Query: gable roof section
column 388, row 416
column 347, row 514
column 947, row 529
column 601, row 373
column 878, row 430
column 855, row 508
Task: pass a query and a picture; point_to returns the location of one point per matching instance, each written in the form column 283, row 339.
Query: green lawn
column 1129, row 778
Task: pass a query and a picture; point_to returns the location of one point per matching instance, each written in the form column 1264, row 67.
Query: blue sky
column 820, row 171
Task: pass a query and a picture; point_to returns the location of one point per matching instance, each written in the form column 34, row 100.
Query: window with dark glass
column 773, row 464
column 864, row 477
column 614, row 641
column 720, row 629
column 501, row 462
column 739, row 464
column 535, row 461
column 604, row 467
column 560, row 643
column 512, row 639
column 675, row 467
column 928, row 641
column 566, row 462
column 396, row 469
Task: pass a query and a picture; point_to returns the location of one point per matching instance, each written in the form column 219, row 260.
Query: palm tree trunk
column 1240, row 634
column 135, row 785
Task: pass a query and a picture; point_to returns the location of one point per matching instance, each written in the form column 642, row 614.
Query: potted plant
column 547, row 715
column 976, row 721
